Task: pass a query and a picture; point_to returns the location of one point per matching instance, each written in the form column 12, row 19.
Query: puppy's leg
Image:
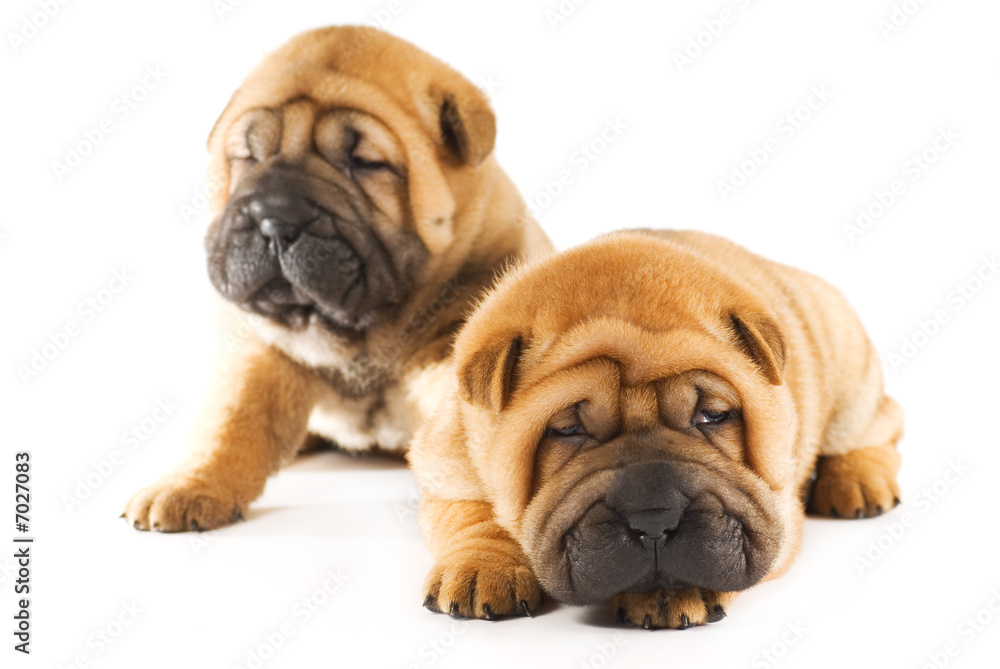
column 676, row 609
column 251, row 425
column 860, row 482
column 480, row 570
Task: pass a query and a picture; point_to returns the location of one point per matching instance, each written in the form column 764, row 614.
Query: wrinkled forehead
column 325, row 90
column 635, row 356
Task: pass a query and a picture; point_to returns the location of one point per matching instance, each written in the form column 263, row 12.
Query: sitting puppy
column 640, row 419
column 362, row 213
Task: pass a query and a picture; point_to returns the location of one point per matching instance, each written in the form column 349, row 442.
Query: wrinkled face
column 317, row 227
column 648, row 487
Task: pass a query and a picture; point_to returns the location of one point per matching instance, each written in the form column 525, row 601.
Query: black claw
column 860, row 513
column 237, row 515
column 487, row 612
column 833, row 513
column 621, row 615
column 431, row 604
column 135, row 524
column 453, row 611
column 895, row 501
column 685, row 622
column 718, row 613
column 879, row 510
column 647, row 622
column 525, row 609
column 195, row 527
column 121, row 516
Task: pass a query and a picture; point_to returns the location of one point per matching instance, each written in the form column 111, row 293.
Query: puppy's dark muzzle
column 662, row 524
column 290, row 245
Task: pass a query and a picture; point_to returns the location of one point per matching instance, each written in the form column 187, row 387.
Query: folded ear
column 761, row 339
column 468, row 126
column 487, row 376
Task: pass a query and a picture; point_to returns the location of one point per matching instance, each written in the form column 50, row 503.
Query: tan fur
column 620, row 322
column 438, row 130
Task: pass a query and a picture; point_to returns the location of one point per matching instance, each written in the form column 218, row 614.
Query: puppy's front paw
column 857, row 484
column 178, row 504
column 675, row 609
column 482, row 583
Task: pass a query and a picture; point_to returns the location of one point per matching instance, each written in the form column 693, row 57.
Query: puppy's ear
column 761, row 339
column 467, row 125
column 486, row 378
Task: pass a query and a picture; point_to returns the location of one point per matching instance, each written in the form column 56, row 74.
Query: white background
column 210, row 600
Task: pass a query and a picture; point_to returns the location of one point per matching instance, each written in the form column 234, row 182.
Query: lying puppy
column 362, row 214
column 640, row 419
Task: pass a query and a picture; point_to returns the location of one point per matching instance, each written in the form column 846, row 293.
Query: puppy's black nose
column 648, row 497
column 280, row 216
column 651, row 525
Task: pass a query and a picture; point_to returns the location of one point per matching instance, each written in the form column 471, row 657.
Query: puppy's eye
column 708, row 417
column 572, row 431
column 567, row 424
column 359, row 163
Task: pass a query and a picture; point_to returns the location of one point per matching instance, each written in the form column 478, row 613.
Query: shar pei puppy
column 361, row 213
column 644, row 420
